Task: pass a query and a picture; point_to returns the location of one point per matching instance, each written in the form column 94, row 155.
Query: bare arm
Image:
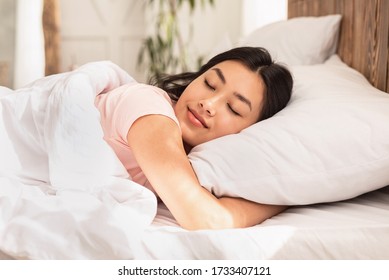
column 157, row 146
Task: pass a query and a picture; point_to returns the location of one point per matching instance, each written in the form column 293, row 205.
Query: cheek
column 231, row 125
column 227, row 125
column 190, row 92
column 180, row 107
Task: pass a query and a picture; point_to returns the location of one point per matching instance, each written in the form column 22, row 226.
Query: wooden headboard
column 364, row 34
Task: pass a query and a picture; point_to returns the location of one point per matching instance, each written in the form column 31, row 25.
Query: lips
column 196, row 119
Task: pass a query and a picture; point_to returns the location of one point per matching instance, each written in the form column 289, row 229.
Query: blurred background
column 144, row 37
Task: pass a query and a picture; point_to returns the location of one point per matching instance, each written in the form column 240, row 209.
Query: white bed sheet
column 352, row 229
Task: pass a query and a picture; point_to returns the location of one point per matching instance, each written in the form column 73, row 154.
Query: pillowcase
column 298, row 41
column 330, row 143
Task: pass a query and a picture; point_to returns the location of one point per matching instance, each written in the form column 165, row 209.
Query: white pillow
column 298, row 41
column 330, row 143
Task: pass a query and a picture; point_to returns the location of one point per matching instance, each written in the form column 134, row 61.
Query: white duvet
column 63, row 192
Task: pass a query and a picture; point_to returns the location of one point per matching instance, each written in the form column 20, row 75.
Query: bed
column 345, row 216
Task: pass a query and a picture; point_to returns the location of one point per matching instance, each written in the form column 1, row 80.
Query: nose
column 208, row 105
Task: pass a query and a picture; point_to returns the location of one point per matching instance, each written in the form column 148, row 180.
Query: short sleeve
column 121, row 107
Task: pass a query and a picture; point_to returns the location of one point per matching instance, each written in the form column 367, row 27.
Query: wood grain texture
column 364, row 33
column 51, row 26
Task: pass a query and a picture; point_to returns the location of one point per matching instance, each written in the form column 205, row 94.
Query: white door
column 94, row 30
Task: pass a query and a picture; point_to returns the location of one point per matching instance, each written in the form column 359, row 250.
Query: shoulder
column 138, row 92
column 134, row 97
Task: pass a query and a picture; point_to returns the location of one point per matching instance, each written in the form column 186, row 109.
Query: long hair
column 277, row 78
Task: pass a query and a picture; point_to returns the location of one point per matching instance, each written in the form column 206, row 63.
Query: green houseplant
column 165, row 51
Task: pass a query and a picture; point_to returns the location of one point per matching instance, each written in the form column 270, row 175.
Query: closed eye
column 209, row 85
column 232, row 110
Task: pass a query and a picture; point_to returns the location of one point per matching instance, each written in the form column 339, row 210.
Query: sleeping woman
column 151, row 128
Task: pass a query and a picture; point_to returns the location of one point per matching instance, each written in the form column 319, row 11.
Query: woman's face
column 224, row 100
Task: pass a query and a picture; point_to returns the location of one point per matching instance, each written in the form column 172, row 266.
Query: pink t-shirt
column 120, row 108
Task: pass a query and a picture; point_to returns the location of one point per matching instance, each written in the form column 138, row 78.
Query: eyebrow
column 220, row 74
column 238, row 95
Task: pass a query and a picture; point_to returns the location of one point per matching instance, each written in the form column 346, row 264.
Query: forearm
column 209, row 212
column 197, row 209
column 247, row 213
